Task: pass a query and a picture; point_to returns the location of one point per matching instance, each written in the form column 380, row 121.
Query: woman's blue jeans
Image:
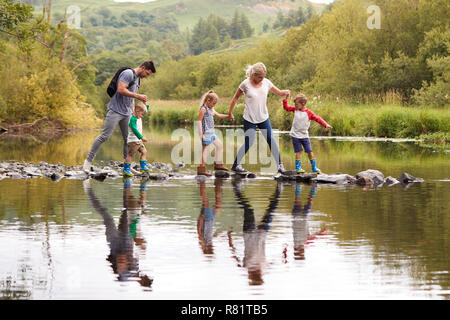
column 250, row 135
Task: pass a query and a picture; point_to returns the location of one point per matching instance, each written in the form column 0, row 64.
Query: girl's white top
column 256, row 100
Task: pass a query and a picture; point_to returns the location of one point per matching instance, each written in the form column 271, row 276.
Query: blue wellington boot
column 143, row 186
column 127, row 182
column 313, row 166
column 298, row 190
column 298, row 166
column 312, row 193
column 144, row 168
column 126, row 172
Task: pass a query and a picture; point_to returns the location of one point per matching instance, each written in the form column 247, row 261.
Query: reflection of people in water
column 120, row 239
column 300, row 226
column 255, row 235
column 135, row 208
column 205, row 223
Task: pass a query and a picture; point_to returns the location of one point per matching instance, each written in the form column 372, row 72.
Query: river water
column 226, row 239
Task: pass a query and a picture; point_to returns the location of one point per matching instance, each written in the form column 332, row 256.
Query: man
column 119, row 108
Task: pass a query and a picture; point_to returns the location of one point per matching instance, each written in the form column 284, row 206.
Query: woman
column 256, row 88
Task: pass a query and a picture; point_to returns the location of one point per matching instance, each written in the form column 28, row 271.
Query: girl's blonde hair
column 140, row 106
column 256, row 69
column 208, row 96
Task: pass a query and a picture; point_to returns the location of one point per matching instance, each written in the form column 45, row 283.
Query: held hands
column 231, row 117
column 142, row 97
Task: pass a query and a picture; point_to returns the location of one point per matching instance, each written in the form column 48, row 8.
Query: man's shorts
column 299, row 143
column 134, row 147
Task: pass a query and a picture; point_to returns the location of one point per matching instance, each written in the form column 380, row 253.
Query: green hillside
column 125, row 33
column 187, row 12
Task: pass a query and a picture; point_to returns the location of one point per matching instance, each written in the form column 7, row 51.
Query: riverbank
column 388, row 120
column 42, row 129
column 363, row 120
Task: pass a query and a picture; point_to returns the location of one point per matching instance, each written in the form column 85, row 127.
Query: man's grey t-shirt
column 122, row 104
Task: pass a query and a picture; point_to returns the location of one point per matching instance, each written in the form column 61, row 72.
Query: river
column 226, row 239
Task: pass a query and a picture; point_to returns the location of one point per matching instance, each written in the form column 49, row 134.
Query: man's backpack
column 112, row 87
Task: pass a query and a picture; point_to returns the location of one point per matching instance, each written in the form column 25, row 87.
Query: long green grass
column 364, row 120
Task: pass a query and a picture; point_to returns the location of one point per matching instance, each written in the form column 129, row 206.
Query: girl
column 206, row 131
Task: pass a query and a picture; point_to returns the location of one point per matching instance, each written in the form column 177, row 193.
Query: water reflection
column 122, row 239
column 208, row 214
column 255, row 235
column 300, row 225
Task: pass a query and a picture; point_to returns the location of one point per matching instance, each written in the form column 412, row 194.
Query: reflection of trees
column 26, row 197
column 355, row 154
column 71, row 149
column 409, row 225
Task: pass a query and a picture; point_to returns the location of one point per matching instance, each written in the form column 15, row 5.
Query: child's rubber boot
column 312, row 193
column 298, row 190
column 201, row 171
column 126, row 172
column 220, row 166
column 143, row 186
column 144, row 168
column 313, row 166
column 127, row 182
column 298, row 166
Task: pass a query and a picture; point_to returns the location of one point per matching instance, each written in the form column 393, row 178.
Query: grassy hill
column 187, row 12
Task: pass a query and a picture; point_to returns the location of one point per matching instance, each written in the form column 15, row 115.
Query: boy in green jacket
column 135, row 140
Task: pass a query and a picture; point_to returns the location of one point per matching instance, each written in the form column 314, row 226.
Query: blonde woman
column 256, row 115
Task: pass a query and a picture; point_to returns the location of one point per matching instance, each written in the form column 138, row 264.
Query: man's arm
column 122, row 88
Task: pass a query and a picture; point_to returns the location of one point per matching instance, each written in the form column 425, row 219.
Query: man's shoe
column 281, row 168
column 87, row 166
column 238, row 169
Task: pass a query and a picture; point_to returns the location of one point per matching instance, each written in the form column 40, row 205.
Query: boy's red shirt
column 311, row 115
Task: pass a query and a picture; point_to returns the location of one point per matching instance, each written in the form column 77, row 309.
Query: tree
column 247, row 30
column 236, row 29
column 17, row 21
